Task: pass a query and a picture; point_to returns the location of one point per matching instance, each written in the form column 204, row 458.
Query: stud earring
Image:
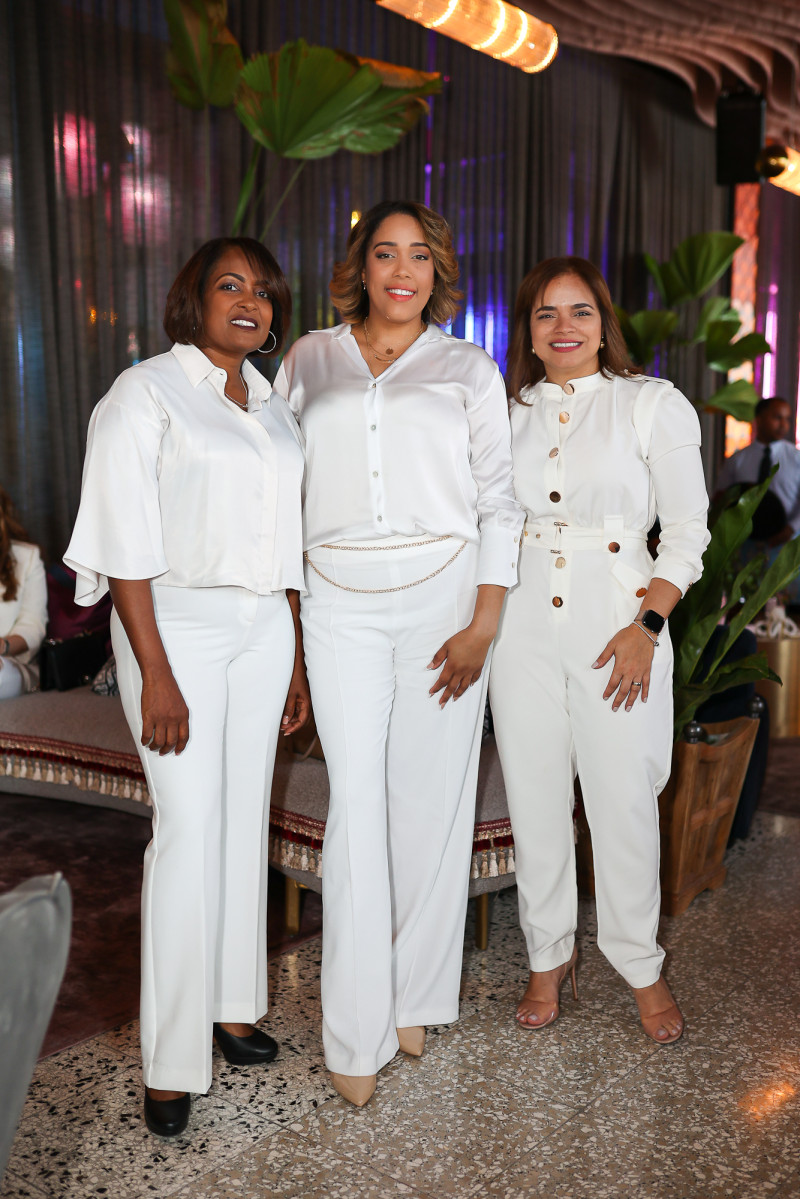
column 363, row 285
column 602, row 343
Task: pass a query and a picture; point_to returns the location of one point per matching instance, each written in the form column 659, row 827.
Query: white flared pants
column 550, row 718
column 403, row 776
column 204, row 890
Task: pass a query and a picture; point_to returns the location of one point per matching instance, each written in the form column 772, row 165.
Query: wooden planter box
column 696, row 810
column 783, row 655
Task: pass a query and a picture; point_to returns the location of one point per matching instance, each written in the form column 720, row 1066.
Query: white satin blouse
column 181, row 486
column 422, row 449
column 602, row 451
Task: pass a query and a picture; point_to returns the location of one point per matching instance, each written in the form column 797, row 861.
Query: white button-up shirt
column 423, row 448
column 744, row 466
column 182, row 486
column 579, row 458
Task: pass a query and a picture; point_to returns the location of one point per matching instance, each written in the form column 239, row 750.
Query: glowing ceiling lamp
column 491, row 26
column 781, row 165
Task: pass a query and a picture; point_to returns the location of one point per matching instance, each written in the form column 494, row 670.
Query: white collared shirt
column 579, row 458
column 744, row 466
column 423, row 448
column 26, row 615
column 181, row 486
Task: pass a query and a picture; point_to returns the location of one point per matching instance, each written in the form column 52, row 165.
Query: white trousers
column 10, row 679
column 550, row 718
column 204, row 891
column 403, row 775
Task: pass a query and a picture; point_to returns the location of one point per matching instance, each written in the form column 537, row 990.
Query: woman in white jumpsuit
column 412, row 537
column 582, row 671
column 191, row 514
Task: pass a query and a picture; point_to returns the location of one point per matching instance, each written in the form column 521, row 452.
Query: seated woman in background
column 23, row 604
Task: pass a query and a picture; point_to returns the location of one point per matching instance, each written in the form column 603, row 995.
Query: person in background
column 23, row 604
column 582, row 670
column 191, row 514
column 777, row 519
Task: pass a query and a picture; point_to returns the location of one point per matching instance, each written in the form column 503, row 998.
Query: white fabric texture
column 403, row 775
column 11, row 681
column 181, row 485
column 744, row 465
column 26, row 615
column 582, row 446
column 423, row 448
column 204, row 891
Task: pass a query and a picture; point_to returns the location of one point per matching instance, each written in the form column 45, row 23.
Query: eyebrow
column 233, row 275
column 394, row 243
column 552, row 307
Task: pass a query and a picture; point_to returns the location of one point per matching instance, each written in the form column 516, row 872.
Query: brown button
column 555, row 496
column 568, row 389
column 642, row 591
column 557, row 601
column 614, row 547
column 554, row 453
column 560, row 563
column 563, row 417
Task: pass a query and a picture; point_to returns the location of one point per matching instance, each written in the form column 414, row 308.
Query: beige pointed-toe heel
column 412, row 1040
column 357, row 1089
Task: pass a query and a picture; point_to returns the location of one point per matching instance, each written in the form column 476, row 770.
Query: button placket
column 373, row 405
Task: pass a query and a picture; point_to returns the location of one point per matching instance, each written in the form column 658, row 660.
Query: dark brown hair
column 524, row 368
column 346, row 288
column 10, row 530
column 183, row 315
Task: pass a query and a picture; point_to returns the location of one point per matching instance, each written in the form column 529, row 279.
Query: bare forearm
column 294, row 603
column 488, row 607
column 12, row 645
column 661, row 597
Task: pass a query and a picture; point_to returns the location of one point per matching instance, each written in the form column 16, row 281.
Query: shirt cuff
column 498, row 556
column 678, row 573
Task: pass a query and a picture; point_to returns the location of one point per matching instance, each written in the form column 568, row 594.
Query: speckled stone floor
column 588, row 1109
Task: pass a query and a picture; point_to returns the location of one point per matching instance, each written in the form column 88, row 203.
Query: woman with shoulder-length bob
column 191, row 515
column 582, row 670
column 411, row 536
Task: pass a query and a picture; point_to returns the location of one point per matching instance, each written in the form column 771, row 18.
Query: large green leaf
column 694, row 266
column 309, row 101
column 737, row 399
column 203, row 59
column 722, row 354
column 644, row 331
column 716, row 308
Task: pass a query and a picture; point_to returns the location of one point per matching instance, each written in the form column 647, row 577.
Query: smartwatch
column 652, row 621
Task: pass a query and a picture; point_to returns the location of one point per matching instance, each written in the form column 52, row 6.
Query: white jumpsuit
column 403, row 471
column 594, row 464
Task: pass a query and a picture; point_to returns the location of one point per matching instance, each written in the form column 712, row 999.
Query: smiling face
column 398, row 271
column 566, row 329
column 237, row 310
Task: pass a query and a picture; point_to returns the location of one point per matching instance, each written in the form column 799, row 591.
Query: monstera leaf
column 644, row 331
column 694, row 266
column 203, row 59
column 737, row 399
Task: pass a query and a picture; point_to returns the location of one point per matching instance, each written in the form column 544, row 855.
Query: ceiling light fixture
column 781, row 165
column 491, row 26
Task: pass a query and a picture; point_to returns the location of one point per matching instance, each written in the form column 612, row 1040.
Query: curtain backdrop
column 104, row 193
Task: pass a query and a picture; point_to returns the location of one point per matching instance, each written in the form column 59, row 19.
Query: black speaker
column 741, row 120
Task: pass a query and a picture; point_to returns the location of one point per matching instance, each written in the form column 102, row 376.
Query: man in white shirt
column 779, row 522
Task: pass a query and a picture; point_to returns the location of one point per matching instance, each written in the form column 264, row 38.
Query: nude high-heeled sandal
column 659, row 1013
column 357, row 1089
column 412, row 1040
column 546, row 1008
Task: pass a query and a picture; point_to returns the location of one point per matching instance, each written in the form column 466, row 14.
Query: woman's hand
column 463, row 656
column 298, row 702
column 632, row 651
column 165, row 716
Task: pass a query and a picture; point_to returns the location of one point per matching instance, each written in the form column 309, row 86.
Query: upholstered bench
column 76, row 745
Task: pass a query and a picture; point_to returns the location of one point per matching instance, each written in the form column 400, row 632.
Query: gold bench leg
column 292, row 906
column 482, row 921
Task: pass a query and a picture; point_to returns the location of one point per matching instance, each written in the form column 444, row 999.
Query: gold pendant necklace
column 392, row 357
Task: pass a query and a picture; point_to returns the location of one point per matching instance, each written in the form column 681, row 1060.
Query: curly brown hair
column 346, row 290
column 524, row 368
column 183, row 315
column 10, row 530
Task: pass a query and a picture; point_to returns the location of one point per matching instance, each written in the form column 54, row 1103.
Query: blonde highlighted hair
column 346, row 288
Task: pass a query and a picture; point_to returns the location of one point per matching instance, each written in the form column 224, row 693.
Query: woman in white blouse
column 190, row 513
column 23, row 604
column 582, row 672
column 411, row 533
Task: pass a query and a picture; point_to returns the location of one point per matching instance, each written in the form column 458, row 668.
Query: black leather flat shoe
column 255, row 1050
column 166, row 1117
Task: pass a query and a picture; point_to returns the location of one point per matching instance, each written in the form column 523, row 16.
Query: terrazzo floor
column 587, row 1109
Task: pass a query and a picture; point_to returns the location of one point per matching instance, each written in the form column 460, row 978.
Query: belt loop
column 614, row 531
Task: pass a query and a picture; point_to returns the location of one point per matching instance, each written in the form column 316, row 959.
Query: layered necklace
column 390, row 354
column 238, row 403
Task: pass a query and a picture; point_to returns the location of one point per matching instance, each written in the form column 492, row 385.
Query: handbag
column 70, row 662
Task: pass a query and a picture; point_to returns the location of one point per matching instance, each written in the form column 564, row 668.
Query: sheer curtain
column 103, row 195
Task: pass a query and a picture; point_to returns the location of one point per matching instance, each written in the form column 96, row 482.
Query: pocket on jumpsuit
column 632, row 583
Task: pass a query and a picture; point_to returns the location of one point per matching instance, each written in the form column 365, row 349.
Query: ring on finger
column 636, row 684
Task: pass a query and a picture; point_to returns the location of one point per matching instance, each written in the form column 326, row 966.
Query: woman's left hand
column 632, row 651
column 463, row 656
column 298, row 703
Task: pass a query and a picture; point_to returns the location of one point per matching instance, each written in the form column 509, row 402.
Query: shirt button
column 380, row 518
column 563, row 417
column 557, row 601
column 641, row 592
column 614, row 547
column 373, row 427
column 374, row 474
column 555, row 496
column 554, row 453
column 568, row 389
column 561, row 563
column 374, row 384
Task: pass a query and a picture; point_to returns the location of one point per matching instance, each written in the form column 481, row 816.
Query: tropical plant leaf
column 655, row 270
column 715, row 309
column 203, row 59
column 644, row 331
column 697, row 263
column 722, row 354
column 737, row 399
column 752, row 669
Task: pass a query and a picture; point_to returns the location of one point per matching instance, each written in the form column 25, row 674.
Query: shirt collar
column 197, row 367
column 584, row 383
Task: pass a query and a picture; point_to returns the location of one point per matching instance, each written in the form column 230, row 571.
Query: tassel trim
column 45, row 760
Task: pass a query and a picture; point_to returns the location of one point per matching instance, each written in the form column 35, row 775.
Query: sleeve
column 283, row 379
column 118, row 528
column 32, row 616
column 676, row 470
column 500, row 516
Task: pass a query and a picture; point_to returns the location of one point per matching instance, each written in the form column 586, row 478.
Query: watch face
column 652, row 621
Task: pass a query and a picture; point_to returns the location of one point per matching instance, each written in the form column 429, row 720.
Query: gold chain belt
column 385, row 590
